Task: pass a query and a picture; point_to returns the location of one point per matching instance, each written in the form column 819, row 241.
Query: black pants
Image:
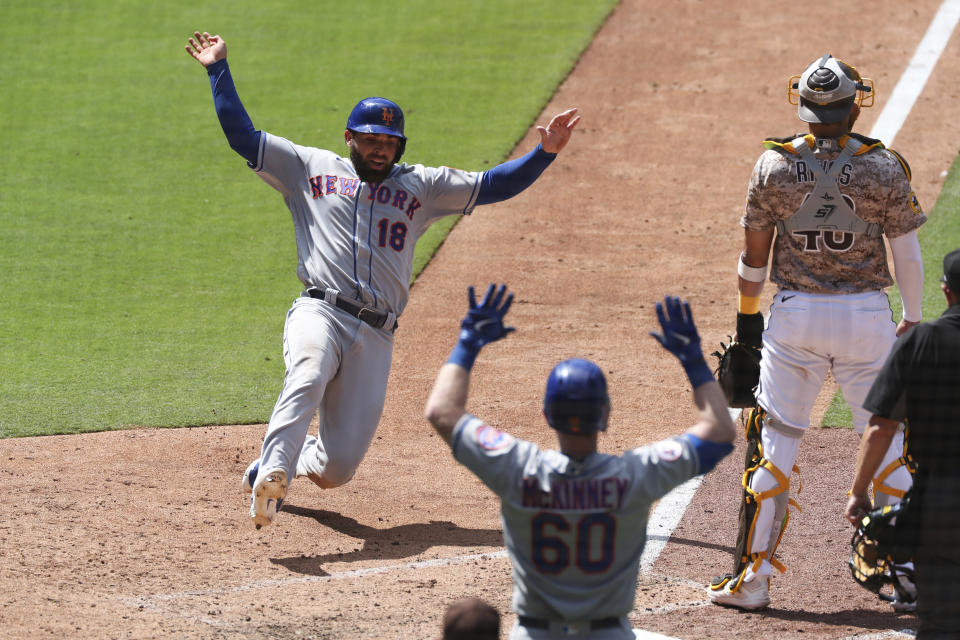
column 938, row 594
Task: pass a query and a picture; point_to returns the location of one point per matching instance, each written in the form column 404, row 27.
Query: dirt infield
column 144, row 533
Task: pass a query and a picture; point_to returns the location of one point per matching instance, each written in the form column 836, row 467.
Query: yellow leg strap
column 783, row 484
column 880, row 487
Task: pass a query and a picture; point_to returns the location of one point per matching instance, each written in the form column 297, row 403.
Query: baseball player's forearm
column 482, row 325
column 510, row 178
column 908, row 269
column 236, row 124
column 715, row 423
column 752, row 269
column 448, row 399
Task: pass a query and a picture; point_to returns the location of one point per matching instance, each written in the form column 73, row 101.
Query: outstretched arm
column 713, row 433
column 211, row 52
column 510, row 178
column 482, row 325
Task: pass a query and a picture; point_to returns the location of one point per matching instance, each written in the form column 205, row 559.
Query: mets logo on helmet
column 387, row 115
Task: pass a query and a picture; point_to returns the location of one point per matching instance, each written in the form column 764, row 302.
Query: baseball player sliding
column 823, row 201
column 574, row 520
column 356, row 220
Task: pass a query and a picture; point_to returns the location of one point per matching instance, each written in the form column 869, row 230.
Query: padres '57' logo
column 914, row 203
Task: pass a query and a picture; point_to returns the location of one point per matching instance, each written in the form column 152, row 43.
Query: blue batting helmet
column 378, row 115
column 576, row 399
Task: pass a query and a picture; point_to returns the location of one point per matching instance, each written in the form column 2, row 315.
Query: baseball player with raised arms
column 356, row 222
column 574, row 520
column 823, row 201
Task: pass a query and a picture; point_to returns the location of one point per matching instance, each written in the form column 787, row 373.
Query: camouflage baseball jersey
column 574, row 531
column 357, row 237
column 875, row 185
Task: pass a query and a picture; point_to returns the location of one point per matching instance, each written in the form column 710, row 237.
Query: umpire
column 919, row 382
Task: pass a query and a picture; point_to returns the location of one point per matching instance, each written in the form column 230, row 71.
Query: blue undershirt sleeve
column 236, row 124
column 709, row 453
column 510, row 178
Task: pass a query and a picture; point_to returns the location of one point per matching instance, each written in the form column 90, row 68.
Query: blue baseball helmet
column 576, row 399
column 378, row 115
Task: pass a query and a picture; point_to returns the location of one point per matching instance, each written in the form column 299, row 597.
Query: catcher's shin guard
column 750, row 507
column 895, row 476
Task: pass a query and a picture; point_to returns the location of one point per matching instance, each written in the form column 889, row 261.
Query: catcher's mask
column 874, row 562
column 576, row 399
column 378, row 115
column 827, row 89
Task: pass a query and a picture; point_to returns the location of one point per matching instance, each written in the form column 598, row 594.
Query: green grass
column 145, row 271
column 938, row 236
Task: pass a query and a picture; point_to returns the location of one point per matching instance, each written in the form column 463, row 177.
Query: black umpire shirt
column 920, row 381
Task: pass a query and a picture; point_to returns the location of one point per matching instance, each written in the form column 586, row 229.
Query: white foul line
column 668, row 514
column 915, row 76
column 665, row 519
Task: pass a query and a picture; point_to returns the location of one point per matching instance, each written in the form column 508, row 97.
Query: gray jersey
column 355, row 237
column 574, row 531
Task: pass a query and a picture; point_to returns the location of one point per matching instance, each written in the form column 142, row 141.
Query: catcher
column 823, row 202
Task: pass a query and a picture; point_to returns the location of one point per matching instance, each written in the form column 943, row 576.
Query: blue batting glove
column 482, row 325
column 680, row 338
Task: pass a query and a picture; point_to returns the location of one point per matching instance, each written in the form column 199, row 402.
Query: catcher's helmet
column 827, row 89
column 576, row 399
column 875, row 561
column 378, row 115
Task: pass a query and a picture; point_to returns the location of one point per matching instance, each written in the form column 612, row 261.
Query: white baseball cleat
column 749, row 595
column 268, row 494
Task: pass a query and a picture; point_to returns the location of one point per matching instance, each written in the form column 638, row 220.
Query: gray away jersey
column 574, row 531
column 354, row 236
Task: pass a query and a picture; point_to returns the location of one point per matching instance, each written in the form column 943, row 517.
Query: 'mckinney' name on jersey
column 324, row 185
column 573, row 493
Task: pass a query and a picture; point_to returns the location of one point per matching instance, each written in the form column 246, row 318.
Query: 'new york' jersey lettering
column 357, row 237
column 347, row 186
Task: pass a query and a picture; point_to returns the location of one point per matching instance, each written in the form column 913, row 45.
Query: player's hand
column 904, row 325
column 679, row 335
column 205, row 48
column 554, row 137
column 857, row 507
column 483, row 323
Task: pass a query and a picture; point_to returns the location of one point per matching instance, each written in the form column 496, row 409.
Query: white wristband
column 751, row 274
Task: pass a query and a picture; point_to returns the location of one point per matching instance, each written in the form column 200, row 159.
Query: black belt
column 543, row 623
column 373, row 317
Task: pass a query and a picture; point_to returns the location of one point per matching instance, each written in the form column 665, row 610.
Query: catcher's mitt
column 738, row 372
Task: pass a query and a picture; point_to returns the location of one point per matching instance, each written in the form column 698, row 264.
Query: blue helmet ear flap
column 576, row 399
